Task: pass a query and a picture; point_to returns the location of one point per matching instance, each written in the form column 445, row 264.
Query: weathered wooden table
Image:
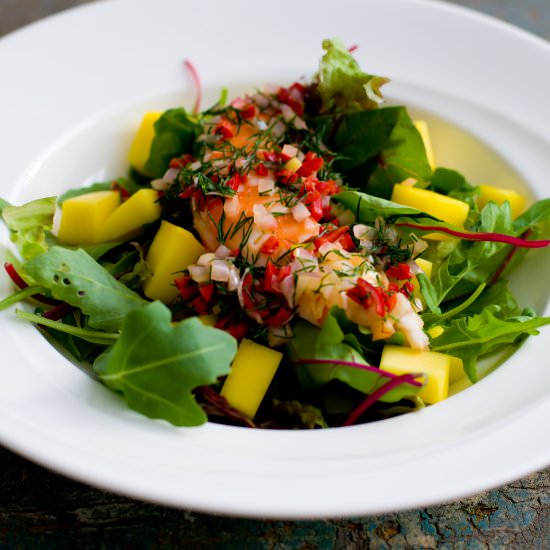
column 39, row 509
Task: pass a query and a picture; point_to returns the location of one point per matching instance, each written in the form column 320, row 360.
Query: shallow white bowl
column 74, row 88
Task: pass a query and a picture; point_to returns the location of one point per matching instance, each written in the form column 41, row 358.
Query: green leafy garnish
column 343, row 86
column 156, row 366
column 29, row 224
column 74, row 277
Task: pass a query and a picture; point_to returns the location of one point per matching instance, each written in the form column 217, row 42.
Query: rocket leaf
column 156, row 366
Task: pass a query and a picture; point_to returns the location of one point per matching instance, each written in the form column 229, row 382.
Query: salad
column 292, row 258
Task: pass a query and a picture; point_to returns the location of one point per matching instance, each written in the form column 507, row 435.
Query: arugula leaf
column 156, row 366
column 175, row 134
column 330, row 343
column 538, row 214
column 28, row 225
column 454, row 184
column 368, row 207
column 404, row 156
column 342, row 85
column 77, row 279
column 472, row 337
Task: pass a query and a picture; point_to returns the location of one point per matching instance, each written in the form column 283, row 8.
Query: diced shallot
column 300, row 212
column 222, row 252
column 263, row 218
column 199, row 273
column 220, row 271
column 205, row 259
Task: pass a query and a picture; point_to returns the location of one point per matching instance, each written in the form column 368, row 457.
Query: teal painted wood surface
column 39, row 509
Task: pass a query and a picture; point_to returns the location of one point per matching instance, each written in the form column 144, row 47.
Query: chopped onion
column 222, row 252
column 171, row 174
column 199, row 273
column 263, row 218
column 160, row 184
column 265, row 185
column 278, row 129
column 233, row 279
column 205, row 259
column 287, row 288
column 220, row 271
column 300, row 212
column 289, row 150
column 195, row 165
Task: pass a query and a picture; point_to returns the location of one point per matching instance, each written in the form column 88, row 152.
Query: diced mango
column 422, row 127
column 499, row 195
column 253, row 369
column 293, row 165
column 441, row 206
column 437, row 367
column 426, row 267
column 171, row 251
column 128, row 219
column 82, row 217
column 436, row 331
column 141, row 146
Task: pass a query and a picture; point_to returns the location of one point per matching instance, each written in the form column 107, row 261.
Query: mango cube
column 83, row 217
column 141, row 146
column 253, row 369
column 128, row 219
column 437, row 367
column 172, row 250
column 426, row 266
column 441, row 206
column 422, row 128
column 499, row 195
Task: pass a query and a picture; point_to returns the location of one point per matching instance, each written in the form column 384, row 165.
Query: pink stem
column 491, row 237
column 362, row 366
column 375, row 396
column 197, row 83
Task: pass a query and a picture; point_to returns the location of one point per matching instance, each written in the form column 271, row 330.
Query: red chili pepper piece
column 187, row 287
column 311, row 164
column 199, row 305
column 400, row 272
column 225, row 129
column 248, row 112
column 313, row 200
column 261, row 170
column 270, row 245
column 207, row 291
column 286, row 177
column 281, row 317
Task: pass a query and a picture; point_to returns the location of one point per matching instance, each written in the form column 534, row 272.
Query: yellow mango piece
column 437, row 367
column 141, row 146
column 436, row 331
column 445, row 208
column 293, row 165
column 426, row 266
column 499, row 195
column 422, row 127
column 171, row 251
column 253, row 369
column 82, row 217
column 129, row 218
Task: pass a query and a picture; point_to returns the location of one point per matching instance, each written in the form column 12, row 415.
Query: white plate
column 73, row 89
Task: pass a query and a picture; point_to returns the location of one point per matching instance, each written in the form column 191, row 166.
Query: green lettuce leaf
column 330, row 342
column 175, row 134
column 74, row 277
column 342, row 86
column 480, row 334
column 156, row 366
column 29, row 224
